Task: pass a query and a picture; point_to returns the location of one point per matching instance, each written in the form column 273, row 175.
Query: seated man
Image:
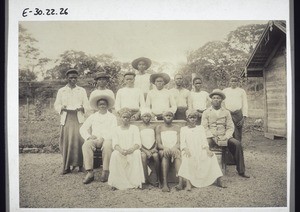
column 130, row 97
column 167, row 137
column 219, row 128
column 97, row 133
column 159, row 99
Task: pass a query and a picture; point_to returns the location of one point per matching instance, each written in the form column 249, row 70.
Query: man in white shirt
column 130, row 97
column 71, row 103
column 219, row 127
column 236, row 103
column 102, row 79
column 97, row 133
column 181, row 96
column 142, row 79
column 198, row 100
column 159, row 99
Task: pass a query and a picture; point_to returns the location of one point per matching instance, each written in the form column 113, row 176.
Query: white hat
column 145, row 110
column 101, row 94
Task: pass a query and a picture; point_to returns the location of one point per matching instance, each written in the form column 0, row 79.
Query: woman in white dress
column 126, row 169
column 199, row 165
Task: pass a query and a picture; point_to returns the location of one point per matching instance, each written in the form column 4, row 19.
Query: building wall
column 275, row 84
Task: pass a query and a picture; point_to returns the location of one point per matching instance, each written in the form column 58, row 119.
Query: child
column 130, row 97
column 149, row 146
column 199, row 165
column 142, row 79
column 126, row 168
column 198, row 100
column 160, row 99
column 167, row 137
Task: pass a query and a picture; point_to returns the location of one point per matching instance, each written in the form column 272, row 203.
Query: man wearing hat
column 101, row 79
column 71, row 103
column 236, row 102
column 159, row 99
column 97, row 133
column 142, row 79
column 181, row 96
column 219, row 128
column 130, row 97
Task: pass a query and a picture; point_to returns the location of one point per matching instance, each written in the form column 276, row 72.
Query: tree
column 216, row 61
column 29, row 55
column 26, row 75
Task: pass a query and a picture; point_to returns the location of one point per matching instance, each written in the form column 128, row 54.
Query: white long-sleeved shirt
column 99, row 125
column 160, row 100
column 72, row 99
column 181, row 96
column 132, row 98
column 199, row 100
column 236, row 99
column 142, row 81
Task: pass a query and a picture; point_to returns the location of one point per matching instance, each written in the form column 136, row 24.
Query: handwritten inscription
column 37, row 11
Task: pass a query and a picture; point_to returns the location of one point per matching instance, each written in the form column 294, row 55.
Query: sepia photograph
column 145, row 106
column 152, row 114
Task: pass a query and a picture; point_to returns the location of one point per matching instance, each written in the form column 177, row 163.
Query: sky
column 161, row 41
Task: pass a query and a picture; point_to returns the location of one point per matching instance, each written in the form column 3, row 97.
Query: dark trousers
column 180, row 114
column 236, row 149
column 237, row 116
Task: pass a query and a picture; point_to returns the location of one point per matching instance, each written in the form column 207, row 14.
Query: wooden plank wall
column 275, row 79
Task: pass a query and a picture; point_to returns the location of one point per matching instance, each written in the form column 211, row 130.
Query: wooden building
column 268, row 60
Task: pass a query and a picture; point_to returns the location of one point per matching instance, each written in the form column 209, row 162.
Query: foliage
column 26, row 75
column 30, row 56
column 216, row 61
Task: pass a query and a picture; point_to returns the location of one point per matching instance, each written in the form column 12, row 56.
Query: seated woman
column 149, row 146
column 199, row 166
column 126, row 169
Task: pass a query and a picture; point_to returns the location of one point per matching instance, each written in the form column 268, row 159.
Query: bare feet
column 113, row 188
column 221, row 183
column 179, row 187
column 188, row 186
column 165, row 188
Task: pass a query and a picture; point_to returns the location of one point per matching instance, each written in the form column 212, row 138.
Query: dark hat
column 72, row 71
column 129, row 73
column 196, row 78
column 165, row 76
column 101, row 75
column 101, row 94
column 135, row 63
column 217, row 92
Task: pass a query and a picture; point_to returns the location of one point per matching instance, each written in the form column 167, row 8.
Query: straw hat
column 72, row 71
column 135, row 63
column 101, row 94
column 165, row 77
column 217, row 92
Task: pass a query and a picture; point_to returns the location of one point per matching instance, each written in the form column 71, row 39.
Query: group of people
column 127, row 149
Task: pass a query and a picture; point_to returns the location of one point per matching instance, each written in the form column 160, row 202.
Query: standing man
column 102, row 80
column 236, row 103
column 130, row 97
column 71, row 103
column 219, row 128
column 97, row 133
column 198, row 100
column 181, row 96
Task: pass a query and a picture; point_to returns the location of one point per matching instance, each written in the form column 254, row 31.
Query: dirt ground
column 42, row 186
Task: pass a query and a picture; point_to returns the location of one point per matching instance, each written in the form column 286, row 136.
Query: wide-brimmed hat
column 129, row 73
column 101, row 75
column 101, row 94
column 135, row 63
column 217, row 92
column 72, row 71
column 165, row 77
